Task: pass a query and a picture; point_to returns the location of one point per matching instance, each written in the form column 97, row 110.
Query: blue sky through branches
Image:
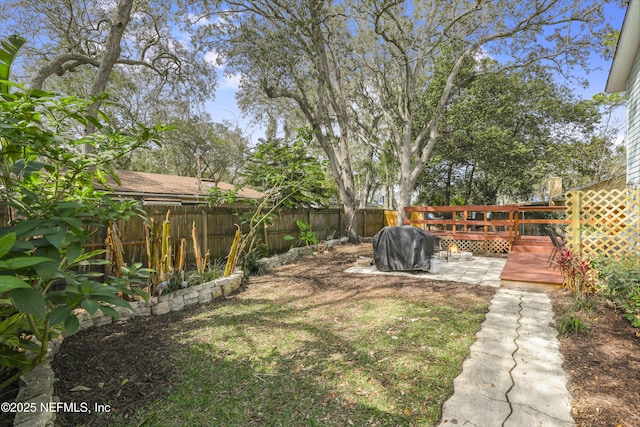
column 225, row 108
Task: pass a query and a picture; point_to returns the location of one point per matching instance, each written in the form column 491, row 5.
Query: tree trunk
column 447, row 191
column 111, row 55
column 406, row 185
column 347, row 190
column 365, row 190
column 351, row 222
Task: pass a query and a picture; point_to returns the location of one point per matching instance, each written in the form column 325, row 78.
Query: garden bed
column 603, row 363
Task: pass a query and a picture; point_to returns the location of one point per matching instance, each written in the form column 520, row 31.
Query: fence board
column 216, row 228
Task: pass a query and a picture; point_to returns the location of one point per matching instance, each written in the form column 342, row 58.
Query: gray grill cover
column 402, row 248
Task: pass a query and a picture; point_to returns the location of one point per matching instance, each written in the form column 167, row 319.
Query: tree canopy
column 384, row 86
column 505, row 134
column 359, row 67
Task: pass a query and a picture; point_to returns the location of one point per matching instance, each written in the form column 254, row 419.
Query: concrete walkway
column 513, row 375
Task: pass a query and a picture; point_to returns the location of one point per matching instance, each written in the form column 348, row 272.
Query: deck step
column 530, row 245
column 529, row 268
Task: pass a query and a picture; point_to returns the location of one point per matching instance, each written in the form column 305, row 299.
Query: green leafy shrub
column 251, row 264
column 54, row 193
column 307, row 236
column 620, row 281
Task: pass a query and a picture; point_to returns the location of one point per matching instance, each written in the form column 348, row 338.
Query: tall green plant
column 54, row 194
column 9, row 48
column 289, row 178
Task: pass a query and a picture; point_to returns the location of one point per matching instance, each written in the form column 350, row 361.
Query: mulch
column 603, row 365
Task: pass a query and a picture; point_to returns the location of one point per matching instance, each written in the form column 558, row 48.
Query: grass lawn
column 293, row 350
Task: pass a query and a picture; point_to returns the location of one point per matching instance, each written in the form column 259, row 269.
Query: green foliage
column 620, row 282
column 584, row 303
column 251, row 264
column 306, row 237
column 299, row 177
column 572, row 324
column 213, row 271
column 196, row 147
column 506, row 134
column 9, row 48
column 289, row 178
column 571, row 320
column 54, row 194
column 217, row 196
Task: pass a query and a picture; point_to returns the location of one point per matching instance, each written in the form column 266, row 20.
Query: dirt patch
column 128, row 365
column 603, row 365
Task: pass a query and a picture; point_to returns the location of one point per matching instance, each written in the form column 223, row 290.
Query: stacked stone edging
column 174, row 301
column 294, row 253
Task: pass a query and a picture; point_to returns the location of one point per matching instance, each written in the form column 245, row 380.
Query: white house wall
column 633, row 125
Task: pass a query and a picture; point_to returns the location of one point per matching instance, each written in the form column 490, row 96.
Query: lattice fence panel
column 603, row 222
column 477, row 246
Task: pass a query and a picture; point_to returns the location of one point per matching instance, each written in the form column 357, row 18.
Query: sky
column 598, row 78
column 225, row 108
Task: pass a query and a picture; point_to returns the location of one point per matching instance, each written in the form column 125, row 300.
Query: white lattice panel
column 603, row 222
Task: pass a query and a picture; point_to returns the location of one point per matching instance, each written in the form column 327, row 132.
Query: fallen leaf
column 407, row 412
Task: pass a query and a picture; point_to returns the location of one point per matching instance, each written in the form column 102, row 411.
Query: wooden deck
column 527, row 266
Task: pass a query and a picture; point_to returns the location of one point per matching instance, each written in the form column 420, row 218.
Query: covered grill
column 403, row 248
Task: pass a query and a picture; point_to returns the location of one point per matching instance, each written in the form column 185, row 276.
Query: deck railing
column 473, row 222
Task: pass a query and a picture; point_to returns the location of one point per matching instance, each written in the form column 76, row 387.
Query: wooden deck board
column 530, row 269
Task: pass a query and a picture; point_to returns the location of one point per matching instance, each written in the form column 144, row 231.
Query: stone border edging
column 294, row 253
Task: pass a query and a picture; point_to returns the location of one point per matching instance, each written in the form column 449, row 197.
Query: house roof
column 159, row 187
column 626, row 49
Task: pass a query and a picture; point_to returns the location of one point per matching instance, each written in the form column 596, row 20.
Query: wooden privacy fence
column 216, row 227
column 603, row 222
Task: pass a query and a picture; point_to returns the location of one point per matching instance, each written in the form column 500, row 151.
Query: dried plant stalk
column 166, row 269
column 153, row 258
column 200, row 263
column 234, row 253
column 180, row 256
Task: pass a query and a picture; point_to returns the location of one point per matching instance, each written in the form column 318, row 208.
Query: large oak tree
column 344, row 64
